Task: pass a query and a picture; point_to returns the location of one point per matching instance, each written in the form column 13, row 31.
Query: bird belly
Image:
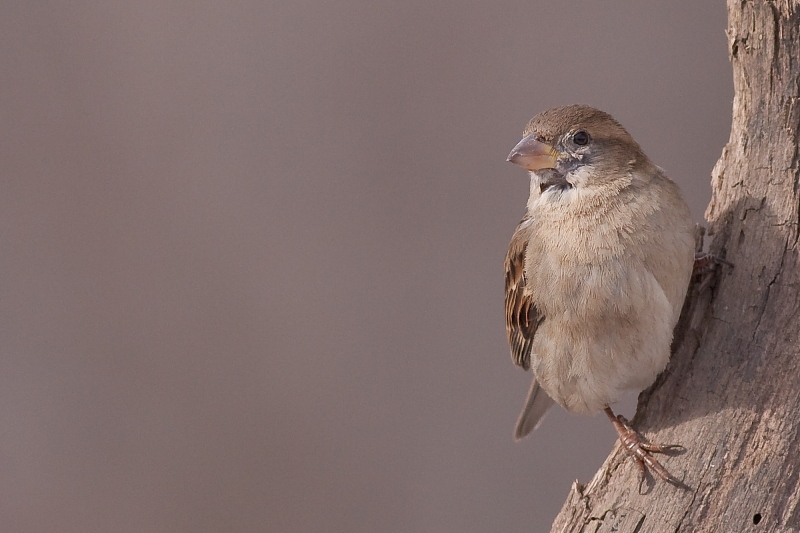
column 607, row 329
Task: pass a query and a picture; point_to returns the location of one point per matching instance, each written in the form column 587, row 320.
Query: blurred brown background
column 251, row 253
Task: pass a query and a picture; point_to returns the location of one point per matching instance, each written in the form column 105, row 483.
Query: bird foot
column 641, row 449
column 705, row 262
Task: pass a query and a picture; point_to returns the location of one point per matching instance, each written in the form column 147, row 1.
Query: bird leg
column 640, row 449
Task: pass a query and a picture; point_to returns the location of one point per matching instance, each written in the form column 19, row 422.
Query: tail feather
column 536, row 406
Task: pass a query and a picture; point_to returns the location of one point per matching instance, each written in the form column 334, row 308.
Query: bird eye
column 581, row 138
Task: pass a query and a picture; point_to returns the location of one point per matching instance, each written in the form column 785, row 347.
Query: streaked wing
column 522, row 316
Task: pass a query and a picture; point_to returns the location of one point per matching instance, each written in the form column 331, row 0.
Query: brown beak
column 532, row 154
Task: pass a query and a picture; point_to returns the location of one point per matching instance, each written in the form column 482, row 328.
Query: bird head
column 576, row 146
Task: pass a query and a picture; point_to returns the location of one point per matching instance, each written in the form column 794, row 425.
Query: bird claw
column 640, row 449
column 705, row 262
column 662, row 448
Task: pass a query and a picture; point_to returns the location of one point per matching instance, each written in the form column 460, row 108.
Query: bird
column 596, row 272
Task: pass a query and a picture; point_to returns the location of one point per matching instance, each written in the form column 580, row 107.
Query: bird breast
column 607, row 319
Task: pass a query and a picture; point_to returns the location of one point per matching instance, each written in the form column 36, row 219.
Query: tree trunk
column 731, row 394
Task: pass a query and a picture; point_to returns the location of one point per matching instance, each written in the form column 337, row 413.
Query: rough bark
column 731, row 394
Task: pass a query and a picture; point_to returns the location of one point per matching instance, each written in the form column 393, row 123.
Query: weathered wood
column 731, row 394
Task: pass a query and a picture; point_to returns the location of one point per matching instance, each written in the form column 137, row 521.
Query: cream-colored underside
column 609, row 272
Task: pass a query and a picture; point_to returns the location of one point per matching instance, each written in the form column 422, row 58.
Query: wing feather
column 522, row 316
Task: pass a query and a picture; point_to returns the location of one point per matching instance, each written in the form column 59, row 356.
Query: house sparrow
column 597, row 270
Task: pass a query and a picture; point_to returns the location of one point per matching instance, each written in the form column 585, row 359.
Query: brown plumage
column 522, row 317
column 597, row 270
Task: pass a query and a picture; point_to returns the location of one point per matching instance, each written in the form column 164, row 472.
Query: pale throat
column 585, row 189
column 553, row 194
